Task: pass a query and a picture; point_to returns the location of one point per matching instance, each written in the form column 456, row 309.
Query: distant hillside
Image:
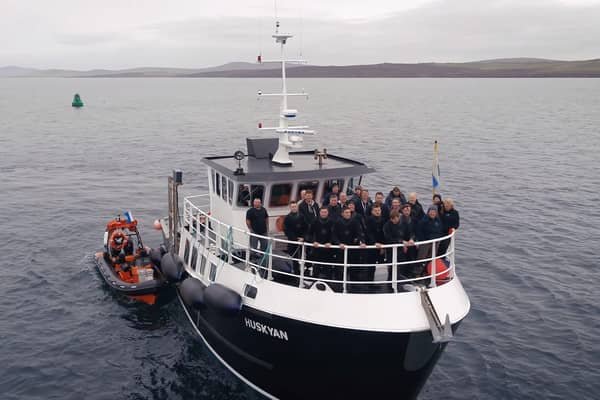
column 503, row 68
column 499, row 68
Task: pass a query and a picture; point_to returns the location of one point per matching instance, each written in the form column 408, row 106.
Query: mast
column 290, row 137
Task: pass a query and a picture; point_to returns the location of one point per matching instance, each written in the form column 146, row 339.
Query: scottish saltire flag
column 129, row 216
column 435, row 173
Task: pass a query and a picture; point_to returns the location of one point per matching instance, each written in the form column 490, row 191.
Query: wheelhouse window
column 308, row 185
column 257, row 191
column 352, row 183
column 218, row 185
column 230, row 191
column 280, row 194
column 243, row 196
column 194, row 257
column 224, row 188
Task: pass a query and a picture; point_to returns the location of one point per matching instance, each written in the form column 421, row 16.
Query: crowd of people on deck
column 359, row 220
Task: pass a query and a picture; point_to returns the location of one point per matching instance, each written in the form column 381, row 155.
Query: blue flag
column 129, row 216
column 435, row 173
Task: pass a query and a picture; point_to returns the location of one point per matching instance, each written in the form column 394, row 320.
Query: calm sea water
column 519, row 156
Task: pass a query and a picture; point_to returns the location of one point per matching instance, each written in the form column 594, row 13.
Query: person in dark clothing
column 374, row 236
column 428, row 229
column 395, row 193
column 393, row 234
column 335, row 189
column 309, row 208
column 356, row 195
column 257, row 221
column 335, row 211
column 437, row 201
column 295, row 227
column 364, row 204
column 409, row 235
column 320, row 233
column 348, row 231
column 385, row 210
column 416, row 211
column 450, row 220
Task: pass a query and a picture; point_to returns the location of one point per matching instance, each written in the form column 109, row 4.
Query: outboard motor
column 171, row 266
column 192, row 292
column 222, row 299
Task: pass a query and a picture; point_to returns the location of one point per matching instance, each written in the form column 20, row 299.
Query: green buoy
column 77, row 101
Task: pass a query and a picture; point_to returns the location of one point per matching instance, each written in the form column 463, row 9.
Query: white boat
column 292, row 335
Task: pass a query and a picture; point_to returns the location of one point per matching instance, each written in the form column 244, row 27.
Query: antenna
column 289, row 136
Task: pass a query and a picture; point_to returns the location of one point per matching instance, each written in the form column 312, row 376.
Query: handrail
column 212, row 229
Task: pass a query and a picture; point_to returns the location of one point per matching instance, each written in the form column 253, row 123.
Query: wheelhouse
column 234, row 183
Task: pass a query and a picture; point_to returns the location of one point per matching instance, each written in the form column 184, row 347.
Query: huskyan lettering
column 266, row 329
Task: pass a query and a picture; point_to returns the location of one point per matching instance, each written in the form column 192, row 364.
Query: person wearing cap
column 395, row 193
column 429, row 228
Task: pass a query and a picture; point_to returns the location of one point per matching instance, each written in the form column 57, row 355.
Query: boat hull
column 291, row 359
column 111, row 278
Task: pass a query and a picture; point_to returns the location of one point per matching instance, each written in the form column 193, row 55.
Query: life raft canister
column 442, row 270
column 118, row 240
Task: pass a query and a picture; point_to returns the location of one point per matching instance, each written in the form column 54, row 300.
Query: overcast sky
column 113, row 34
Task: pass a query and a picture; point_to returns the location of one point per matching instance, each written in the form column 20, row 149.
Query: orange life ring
column 115, row 235
column 442, row 269
column 279, row 223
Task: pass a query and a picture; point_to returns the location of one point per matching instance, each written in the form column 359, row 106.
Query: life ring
column 118, row 236
column 279, row 223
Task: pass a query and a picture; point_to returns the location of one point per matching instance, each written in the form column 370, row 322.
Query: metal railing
column 218, row 237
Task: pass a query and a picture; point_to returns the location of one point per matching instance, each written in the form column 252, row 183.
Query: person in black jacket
column 335, row 210
column 428, row 229
column 450, row 220
column 309, row 208
column 409, row 236
column 416, row 211
column 257, row 221
column 321, row 234
column 385, row 211
column 348, row 231
column 364, row 204
column 374, row 236
column 294, row 227
column 393, row 234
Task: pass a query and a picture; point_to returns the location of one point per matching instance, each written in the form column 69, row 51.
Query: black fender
column 222, row 299
column 172, row 267
column 192, row 292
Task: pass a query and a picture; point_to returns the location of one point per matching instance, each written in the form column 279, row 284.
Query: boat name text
column 266, row 329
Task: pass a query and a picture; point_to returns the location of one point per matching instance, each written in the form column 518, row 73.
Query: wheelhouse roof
column 304, row 167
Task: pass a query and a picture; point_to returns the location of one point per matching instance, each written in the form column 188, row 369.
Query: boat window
column 186, row 251
column 327, row 189
column 194, row 257
column 280, row 194
column 214, row 180
column 257, row 191
column 202, row 264
column 218, row 186
column 243, row 197
column 312, row 185
column 352, row 183
column 230, row 191
column 213, row 272
column 224, row 188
